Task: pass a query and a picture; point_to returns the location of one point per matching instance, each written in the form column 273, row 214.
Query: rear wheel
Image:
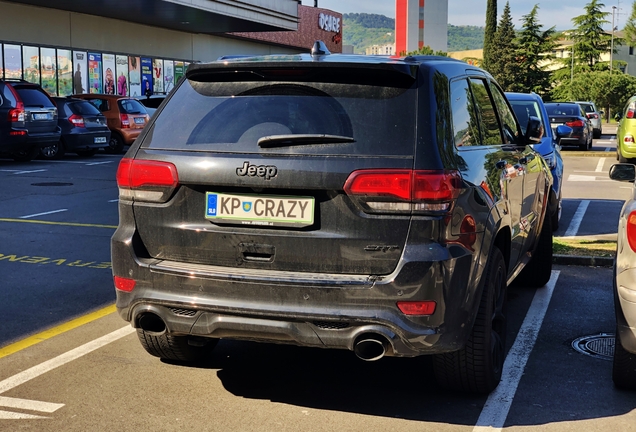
column 538, row 271
column 477, row 367
column 116, row 144
column 623, row 367
column 25, row 155
column 54, row 151
column 556, row 215
column 176, row 348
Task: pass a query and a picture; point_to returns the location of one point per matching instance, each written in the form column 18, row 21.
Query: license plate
column 40, row 116
column 140, row 120
column 100, row 140
column 261, row 210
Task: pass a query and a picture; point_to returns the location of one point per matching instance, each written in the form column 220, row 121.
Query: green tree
column 427, row 50
column 607, row 90
column 535, row 48
column 489, row 33
column 630, row 27
column 503, row 62
column 590, row 40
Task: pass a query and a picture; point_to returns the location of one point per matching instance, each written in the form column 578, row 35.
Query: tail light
column 417, row 307
column 631, row 230
column 575, row 123
column 125, row 121
column 630, row 113
column 404, row 191
column 77, row 121
column 592, row 116
column 146, row 180
column 124, row 284
column 17, row 114
column 628, row 139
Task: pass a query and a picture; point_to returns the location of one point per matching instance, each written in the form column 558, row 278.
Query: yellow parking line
column 43, row 222
column 47, row 334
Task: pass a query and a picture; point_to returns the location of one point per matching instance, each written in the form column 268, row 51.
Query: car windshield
column 131, row 106
column 32, row 96
column 524, row 109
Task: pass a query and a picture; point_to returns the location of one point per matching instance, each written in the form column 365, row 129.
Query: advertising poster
column 65, row 72
column 31, row 64
column 80, row 72
column 146, row 76
column 108, row 66
column 134, row 76
column 179, row 71
column 122, row 75
column 95, row 72
column 12, row 61
column 168, row 75
column 157, row 70
column 49, row 70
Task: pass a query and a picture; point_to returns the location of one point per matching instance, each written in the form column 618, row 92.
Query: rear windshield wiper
column 300, row 139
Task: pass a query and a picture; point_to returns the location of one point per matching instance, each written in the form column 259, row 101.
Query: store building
column 127, row 46
column 420, row 23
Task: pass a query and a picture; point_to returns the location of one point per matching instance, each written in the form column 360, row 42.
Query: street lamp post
column 612, row 47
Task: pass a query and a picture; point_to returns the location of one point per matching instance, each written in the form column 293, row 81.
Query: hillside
column 363, row 30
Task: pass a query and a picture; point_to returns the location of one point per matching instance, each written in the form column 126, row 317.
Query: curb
column 589, row 153
column 590, row 261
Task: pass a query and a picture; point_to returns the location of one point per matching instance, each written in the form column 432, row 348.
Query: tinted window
column 510, row 129
column 83, row 108
column 131, row 106
column 524, row 109
column 33, row 96
column 8, row 95
column 563, row 109
column 588, row 108
column 100, row 104
column 465, row 127
column 232, row 116
column 151, row 102
column 489, row 124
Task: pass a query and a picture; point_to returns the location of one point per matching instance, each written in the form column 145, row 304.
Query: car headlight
column 550, row 159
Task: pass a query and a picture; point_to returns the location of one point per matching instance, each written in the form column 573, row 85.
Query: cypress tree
column 489, row 33
column 503, row 51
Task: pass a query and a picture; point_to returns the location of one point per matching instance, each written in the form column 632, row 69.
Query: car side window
column 100, row 104
column 464, row 117
column 510, row 126
column 488, row 121
column 6, row 92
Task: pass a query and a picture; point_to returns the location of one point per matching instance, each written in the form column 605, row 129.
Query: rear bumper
column 308, row 309
column 85, row 140
column 129, row 135
column 14, row 143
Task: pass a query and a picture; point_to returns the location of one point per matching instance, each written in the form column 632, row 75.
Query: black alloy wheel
column 54, row 151
column 116, row 144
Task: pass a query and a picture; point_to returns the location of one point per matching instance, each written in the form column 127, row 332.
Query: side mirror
column 618, row 116
column 563, row 131
column 534, row 130
column 601, row 113
column 623, row 172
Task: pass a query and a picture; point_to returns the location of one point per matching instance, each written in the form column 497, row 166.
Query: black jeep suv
column 373, row 204
column 28, row 119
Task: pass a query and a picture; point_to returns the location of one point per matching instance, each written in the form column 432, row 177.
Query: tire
column 115, row 144
column 25, row 155
column 590, row 141
column 538, row 271
column 597, row 133
column 477, row 367
column 86, row 153
column 174, row 348
column 623, row 367
column 53, row 152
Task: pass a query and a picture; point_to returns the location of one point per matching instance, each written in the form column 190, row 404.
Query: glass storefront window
column 65, row 72
column 31, row 63
column 12, row 61
column 48, row 70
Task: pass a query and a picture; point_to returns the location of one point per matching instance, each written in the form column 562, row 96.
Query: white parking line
column 99, row 163
column 115, row 200
column 62, row 359
column 495, row 411
column 601, row 162
column 573, row 228
column 17, row 172
column 42, row 214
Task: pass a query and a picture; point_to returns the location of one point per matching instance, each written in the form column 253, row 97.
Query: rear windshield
column 83, row 108
column 564, row 110
column 32, row 96
column 233, row 116
column 131, row 106
column 588, row 108
column 524, row 109
column 152, row 102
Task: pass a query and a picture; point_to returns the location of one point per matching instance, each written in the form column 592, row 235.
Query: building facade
column 80, row 46
column 420, row 23
column 386, row 49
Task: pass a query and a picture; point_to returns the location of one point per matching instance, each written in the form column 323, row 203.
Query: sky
column 557, row 13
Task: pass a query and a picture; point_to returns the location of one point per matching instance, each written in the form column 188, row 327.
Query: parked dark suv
column 28, row 119
column 364, row 203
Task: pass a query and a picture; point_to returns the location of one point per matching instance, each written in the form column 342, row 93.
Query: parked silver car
column 593, row 114
column 624, row 369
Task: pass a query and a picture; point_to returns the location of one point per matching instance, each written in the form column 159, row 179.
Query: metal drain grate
column 599, row 346
column 183, row 312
